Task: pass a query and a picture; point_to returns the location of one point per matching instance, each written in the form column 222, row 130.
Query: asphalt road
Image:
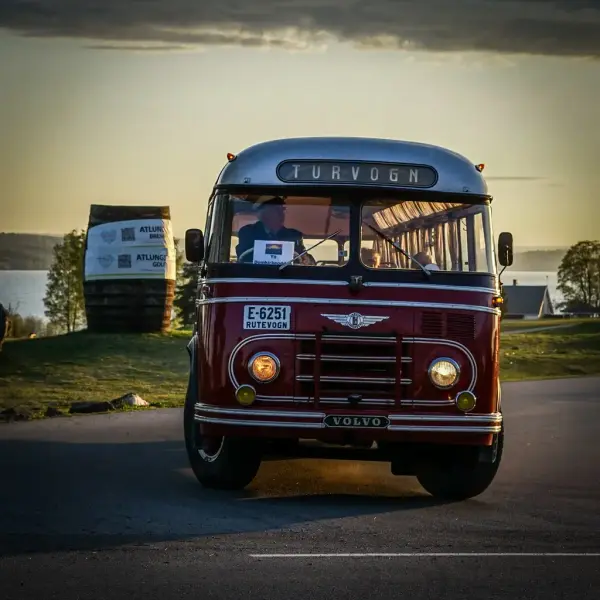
column 106, row 507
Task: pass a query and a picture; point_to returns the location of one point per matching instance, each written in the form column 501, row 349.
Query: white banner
column 137, row 232
column 125, row 262
column 272, row 252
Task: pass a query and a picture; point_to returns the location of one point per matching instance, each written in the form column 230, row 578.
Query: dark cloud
column 543, row 27
column 140, row 47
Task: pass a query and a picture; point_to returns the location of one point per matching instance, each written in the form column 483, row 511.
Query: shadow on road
column 66, row 496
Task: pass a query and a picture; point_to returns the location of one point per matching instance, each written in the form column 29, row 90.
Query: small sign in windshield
column 360, row 173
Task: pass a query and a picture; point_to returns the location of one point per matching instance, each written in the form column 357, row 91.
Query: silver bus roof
column 259, row 164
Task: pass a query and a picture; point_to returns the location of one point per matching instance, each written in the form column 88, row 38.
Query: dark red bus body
column 423, row 323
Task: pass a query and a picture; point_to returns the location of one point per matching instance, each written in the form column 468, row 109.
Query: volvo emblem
column 354, row 320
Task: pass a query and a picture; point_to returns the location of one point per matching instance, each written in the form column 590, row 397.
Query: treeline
column 26, row 252
column 14, row 325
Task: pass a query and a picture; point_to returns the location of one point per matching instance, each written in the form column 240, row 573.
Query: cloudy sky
column 138, row 102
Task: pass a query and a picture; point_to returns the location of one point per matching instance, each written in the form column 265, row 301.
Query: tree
column 64, row 300
column 185, row 296
column 179, row 258
column 579, row 277
column 4, row 324
column 504, row 305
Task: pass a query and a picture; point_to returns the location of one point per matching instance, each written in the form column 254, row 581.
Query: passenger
column 271, row 216
column 424, row 259
column 367, row 256
column 308, row 260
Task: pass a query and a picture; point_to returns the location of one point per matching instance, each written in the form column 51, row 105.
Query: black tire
column 460, row 478
column 228, row 463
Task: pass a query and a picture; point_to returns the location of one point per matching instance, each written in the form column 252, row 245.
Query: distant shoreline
column 33, row 252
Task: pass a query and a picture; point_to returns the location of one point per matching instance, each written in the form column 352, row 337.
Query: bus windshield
column 256, row 229
column 440, row 236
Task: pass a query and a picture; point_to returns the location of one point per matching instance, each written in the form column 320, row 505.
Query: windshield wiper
column 289, row 262
column 398, row 248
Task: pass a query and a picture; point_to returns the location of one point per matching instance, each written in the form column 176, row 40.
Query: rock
column 116, row 404
column 15, row 414
column 90, row 407
column 129, row 400
column 52, row 411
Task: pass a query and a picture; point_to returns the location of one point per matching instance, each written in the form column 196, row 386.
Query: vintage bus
column 348, row 307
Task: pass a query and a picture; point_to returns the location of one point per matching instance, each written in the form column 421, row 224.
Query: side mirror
column 505, row 249
column 194, row 245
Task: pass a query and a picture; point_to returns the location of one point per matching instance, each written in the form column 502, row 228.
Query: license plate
column 267, row 317
column 356, row 421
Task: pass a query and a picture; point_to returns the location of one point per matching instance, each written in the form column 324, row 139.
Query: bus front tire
column 460, row 479
column 232, row 465
column 224, row 463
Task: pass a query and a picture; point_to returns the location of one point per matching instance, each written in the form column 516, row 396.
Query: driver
column 271, row 215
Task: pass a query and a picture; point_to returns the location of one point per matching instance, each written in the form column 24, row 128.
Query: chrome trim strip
column 211, row 408
column 342, row 379
column 430, row 402
column 417, row 286
column 341, row 358
column 243, row 423
column 327, row 400
column 267, row 281
column 348, row 337
column 350, row 302
column 432, row 286
column 364, row 401
column 445, row 429
column 467, row 418
column 309, row 336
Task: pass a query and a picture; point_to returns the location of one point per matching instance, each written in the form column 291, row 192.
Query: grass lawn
column 83, row 367
column 561, row 352
column 90, row 367
column 509, row 325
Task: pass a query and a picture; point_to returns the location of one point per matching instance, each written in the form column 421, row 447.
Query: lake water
column 28, row 288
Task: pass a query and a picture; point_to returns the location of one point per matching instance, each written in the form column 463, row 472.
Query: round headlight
column 444, row 373
column 264, row 367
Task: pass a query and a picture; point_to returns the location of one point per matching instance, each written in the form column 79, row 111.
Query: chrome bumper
column 301, row 419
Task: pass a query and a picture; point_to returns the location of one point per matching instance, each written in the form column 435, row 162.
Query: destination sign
column 360, row 173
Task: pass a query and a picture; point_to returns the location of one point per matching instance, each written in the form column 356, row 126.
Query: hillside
column 538, row 260
column 26, row 252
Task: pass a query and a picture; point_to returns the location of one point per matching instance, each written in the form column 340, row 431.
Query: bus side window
column 463, row 245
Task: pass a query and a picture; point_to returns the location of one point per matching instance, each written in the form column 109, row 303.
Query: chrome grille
column 330, row 368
